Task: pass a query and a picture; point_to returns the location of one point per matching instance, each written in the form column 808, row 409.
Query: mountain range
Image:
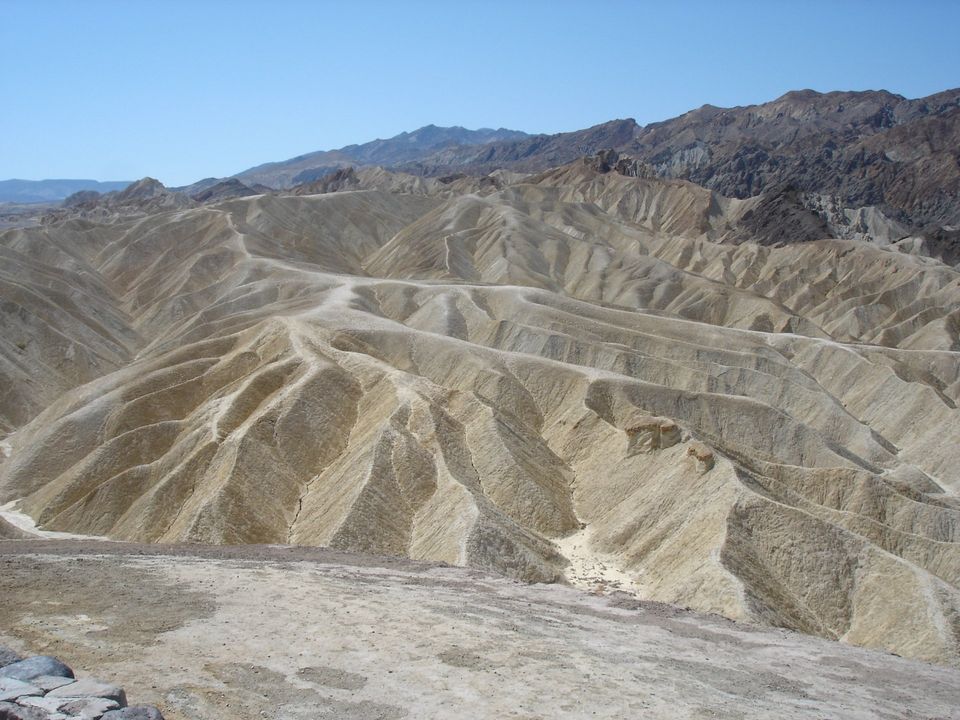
column 46, row 191
column 864, row 148
column 403, row 148
column 853, row 149
column 713, row 362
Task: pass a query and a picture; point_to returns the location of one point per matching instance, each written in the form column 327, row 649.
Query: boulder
column 50, row 682
column 10, row 711
column 90, row 688
column 35, row 667
column 88, row 708
column 50, row 705
column 11, row 689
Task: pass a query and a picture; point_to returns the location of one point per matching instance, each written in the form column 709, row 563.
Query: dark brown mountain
column 867, row 148
column 533, row 153
column 870, row 148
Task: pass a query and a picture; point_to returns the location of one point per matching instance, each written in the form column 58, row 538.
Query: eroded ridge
column 769, row 433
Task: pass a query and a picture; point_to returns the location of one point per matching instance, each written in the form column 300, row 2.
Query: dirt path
column 297, row 633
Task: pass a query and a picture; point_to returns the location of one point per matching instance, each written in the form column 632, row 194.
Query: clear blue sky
column 115, row 90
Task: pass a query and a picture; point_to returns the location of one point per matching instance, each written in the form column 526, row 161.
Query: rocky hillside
column 144, row 197
column 862, row 148
column 588, row 374
column 867, row 148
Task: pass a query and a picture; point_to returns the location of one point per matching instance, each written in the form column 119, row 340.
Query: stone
column 702, row 457
column 49, row 705
column 134, row 712
column 669, row 434
column 51, row 682
column 10, row 711
column 8, row 656
column 88, row 687
column 643, row 436
column 35, row 667
column 648, row 433
column 11, row 689
column 88, row 708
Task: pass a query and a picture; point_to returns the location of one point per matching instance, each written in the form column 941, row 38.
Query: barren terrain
column 580, row 374
column 286, row 633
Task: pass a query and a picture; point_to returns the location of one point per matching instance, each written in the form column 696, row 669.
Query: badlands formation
column 589, row 374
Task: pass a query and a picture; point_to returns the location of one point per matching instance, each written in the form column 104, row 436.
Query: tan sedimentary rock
column 701, row 455
column 647, row 434
column 469, row 378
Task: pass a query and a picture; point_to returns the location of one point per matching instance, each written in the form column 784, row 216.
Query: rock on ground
column 87, row 687
column 35, row 667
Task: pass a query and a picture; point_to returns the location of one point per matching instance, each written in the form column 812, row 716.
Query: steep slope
column 870, row 148
column 765, row 432
column 61, row 322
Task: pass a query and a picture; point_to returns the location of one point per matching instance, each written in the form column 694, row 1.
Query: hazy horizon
column 179, row 92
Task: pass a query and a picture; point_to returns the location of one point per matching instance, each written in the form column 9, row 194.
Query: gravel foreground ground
column 294, row 633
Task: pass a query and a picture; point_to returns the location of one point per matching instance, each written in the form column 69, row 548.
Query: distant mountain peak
column 143, row 189
column 406, row 147
column 52, row 190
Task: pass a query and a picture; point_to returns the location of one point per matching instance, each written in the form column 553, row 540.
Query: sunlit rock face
column 470, row 371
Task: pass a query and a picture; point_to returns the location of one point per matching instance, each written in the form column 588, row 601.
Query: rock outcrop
column 143, row 197
column 869, row 149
